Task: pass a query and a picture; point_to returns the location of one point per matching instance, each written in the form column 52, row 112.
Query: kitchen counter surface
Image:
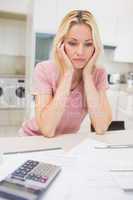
column 67, row 141
column 121, row 88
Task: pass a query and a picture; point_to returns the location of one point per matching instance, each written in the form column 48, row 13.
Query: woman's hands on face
column 65, row 61
column 88, row 69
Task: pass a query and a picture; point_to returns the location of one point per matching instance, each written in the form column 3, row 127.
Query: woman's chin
column 78, row 66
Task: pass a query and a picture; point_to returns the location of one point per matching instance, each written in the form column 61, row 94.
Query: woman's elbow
column 100, row 130
column 45, row 131
column 48, row 134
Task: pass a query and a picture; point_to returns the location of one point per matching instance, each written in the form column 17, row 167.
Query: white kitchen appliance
column 12, row 92
column 1, row 91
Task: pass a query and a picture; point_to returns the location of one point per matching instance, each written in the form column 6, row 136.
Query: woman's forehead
column 80, row 32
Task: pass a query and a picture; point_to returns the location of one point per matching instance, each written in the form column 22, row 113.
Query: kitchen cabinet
column 122, row 106
column 124, row 50
column 13, row 26
column 45, row 16
column 12, row 37
column 15, row 6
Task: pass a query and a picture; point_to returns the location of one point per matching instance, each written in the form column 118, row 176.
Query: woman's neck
column 76, row 79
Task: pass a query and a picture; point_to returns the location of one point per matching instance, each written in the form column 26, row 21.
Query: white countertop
column 85, row 170
column 121, row 88
column 66, row 141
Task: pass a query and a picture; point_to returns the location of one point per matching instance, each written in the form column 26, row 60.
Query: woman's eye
column 72, row 43
column 88, row 44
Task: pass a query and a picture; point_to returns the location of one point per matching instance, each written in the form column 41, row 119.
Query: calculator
column 28, row 180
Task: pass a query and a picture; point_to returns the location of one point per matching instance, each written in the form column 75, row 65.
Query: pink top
column 45, row 81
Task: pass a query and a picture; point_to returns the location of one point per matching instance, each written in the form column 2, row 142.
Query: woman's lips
column 79, row 60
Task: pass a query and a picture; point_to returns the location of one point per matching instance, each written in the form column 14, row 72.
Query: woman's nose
column 80, row 50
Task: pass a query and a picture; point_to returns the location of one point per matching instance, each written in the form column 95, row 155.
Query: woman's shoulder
column 46, row 65
column 48, row 68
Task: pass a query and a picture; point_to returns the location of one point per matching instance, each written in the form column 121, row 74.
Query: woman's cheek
column 91, row 53
column 68, row 51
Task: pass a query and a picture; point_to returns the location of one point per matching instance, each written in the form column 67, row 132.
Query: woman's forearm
column 99, row 111
column 51, row 115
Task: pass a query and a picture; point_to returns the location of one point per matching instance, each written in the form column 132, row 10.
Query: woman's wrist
column 69, row 71
column 87, row 75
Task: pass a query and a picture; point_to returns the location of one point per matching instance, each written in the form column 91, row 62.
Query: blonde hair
column 72, row 18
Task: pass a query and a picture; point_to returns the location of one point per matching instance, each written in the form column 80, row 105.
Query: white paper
column 124, row 180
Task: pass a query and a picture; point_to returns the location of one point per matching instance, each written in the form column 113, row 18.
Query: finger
column 96, row 53
column 62, row 46
column 59, row 45
column 63, row 50
column 59, row 48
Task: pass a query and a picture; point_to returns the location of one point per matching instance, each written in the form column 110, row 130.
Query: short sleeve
column 40, row 82
column 102, row 81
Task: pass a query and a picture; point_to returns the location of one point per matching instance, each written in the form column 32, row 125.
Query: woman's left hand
column 88, row 69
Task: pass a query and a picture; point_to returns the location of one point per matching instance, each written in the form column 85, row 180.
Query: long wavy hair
column 72, row 18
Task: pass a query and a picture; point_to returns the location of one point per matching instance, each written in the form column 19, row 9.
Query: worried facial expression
column 79, row 45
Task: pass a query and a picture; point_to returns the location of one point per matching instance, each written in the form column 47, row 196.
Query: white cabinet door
column 125, row 109
column 12, row 37
column 124, row 50
column 15, row 6
column 45, row 16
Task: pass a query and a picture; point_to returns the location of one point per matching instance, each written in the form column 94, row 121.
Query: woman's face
column 78, row 45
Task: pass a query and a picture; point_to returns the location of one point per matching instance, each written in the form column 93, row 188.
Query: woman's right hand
column 64, row 60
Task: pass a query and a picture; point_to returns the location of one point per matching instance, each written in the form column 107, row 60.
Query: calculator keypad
column 34, row 171
column 23, row 170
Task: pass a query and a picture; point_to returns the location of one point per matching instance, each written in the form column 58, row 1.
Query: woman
column 71, row 85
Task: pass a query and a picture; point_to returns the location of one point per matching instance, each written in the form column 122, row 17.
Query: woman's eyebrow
column 72, row 39
column 88, row 40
